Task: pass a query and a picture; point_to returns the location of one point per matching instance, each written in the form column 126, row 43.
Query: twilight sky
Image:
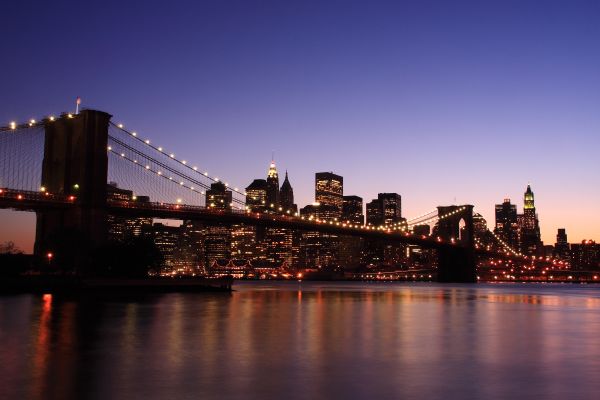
column 440, row 101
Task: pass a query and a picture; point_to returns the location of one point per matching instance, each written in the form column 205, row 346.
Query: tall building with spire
column 273, row 187
column 529, row 225
column 286, row 196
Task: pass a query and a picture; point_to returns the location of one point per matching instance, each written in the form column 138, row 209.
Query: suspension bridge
column 60, row 166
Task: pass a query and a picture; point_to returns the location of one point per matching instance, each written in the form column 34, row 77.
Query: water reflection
column 302, row 340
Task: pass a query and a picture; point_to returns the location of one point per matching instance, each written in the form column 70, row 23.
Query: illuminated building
column 507, row 227
column 585, row 255
column 562, row 249
column 123, row 228
column 256, row 195
column 530, row 241
column 244, row 243
column 217, row 243
column 386, row 209
column 166, row 239
column 218, row 196
column 272, row 187
column 329, row 191
column 352, row 210
column 192, row 246
column 318, row 249
column 374, row 214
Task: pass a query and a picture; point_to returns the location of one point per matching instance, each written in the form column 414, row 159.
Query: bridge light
column 147, row 141
column 184, row 162
column 70, row 115
column 42, row 189
column 134, row 198
column 51, row 118
column 195, row 168
column 160, row 149
column 172, row 155
column 206, row 174
column 71, row 198
column 179, row 200
column 109, row 148
column 120, row 126
column 76, row 186
column 147, row 167
column 159, row 173
column 122, row 154
column 20, row 197
column 13, row 125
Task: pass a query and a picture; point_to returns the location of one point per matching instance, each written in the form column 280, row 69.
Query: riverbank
column 71, row 284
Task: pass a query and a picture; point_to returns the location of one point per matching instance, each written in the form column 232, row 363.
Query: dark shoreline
column 76, row 285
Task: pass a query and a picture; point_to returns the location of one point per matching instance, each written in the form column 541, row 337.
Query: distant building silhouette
column 352, row 210
column 507, row 227
column 562, row 249
column 286, row 197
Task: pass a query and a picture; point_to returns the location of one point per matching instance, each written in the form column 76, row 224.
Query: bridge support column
column 76, row 163
column 457, row 264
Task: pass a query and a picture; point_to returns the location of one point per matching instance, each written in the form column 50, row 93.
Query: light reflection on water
column 307, row 340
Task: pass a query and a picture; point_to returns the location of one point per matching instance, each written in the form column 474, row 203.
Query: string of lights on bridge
column 182, row 162
column 161, row 174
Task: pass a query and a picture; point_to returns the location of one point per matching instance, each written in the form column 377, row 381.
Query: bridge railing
column 39, row 196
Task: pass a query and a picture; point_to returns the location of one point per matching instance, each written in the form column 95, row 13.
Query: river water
column 301, row 340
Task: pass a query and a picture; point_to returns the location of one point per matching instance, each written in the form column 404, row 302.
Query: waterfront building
column 122, row 228
column 166, row 240
column 585, row 256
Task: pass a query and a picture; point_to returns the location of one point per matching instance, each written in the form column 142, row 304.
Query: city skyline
column 435, row 102
column 22, row 224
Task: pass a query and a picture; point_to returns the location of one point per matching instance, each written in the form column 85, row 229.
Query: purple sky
column 435, row 100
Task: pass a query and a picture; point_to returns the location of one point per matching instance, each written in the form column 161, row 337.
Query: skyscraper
column 530, row 230
column 329, row 191
column 352, row 210
column 386, row 209
column 561, row 248
column 272, row 187
column 256, row 195
column 286, row 196
column 218, row 196
column 506, row 223
column 374, row 214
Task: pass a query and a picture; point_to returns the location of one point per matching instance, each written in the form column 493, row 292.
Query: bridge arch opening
column 462, row 226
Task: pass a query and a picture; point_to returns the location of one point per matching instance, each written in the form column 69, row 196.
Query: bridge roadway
column 40, row 201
